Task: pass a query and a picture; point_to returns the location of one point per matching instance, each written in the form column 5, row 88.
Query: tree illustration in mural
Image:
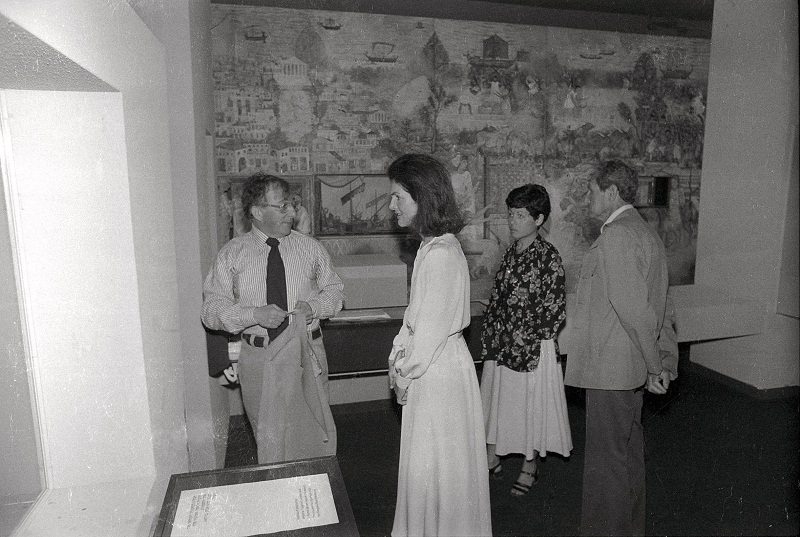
column 309, row 48
column 436, row 60
column 626, row 114
column 437, row 101
column 650, row 106
column 436, row 56
column 661, row 135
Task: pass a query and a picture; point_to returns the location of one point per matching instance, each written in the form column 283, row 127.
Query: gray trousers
column 613, row 473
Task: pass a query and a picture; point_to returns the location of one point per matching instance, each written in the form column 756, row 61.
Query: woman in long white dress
column 443, row 486
column 522, row 385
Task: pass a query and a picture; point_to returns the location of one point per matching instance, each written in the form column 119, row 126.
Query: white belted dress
column 443, row 486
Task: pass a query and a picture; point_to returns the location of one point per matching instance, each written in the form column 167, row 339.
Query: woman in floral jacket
column 522, row 386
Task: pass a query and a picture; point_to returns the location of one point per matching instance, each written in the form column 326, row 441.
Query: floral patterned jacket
column 528, row 305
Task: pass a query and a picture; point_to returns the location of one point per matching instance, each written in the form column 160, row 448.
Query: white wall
column 110, row 41
column 751, row 116
column 17, row 426
column 789, row 283
column 183, row 27
column 69, row 195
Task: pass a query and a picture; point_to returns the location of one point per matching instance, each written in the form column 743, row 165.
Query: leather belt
column 263, row 341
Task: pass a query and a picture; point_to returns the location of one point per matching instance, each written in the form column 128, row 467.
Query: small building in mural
column 311, row 93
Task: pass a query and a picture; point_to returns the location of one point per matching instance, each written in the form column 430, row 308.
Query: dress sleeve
column 442, row 295
column 550, row 300
column 492, row 316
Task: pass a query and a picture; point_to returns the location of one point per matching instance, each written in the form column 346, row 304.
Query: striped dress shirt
column 237, row 283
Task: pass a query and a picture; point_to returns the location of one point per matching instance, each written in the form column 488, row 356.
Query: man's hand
column 305, row 309
column 269, row 316
column 658, row 384
column 230, row 376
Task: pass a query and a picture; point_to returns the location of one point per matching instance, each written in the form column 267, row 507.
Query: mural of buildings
column 304, row 92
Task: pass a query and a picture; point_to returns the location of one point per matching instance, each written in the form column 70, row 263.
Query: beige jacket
column 620, row 305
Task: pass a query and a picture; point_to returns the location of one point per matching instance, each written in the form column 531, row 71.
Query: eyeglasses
column 282, row 207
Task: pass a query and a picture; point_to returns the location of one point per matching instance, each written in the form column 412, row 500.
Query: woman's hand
column 401, row 394
column 392, row 375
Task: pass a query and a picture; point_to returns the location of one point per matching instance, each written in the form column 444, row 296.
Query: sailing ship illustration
column 607, row 50
column 381, row 52
column 330, row 24
column 253, row 34
column 590, row 52
column 378, row 202
column 353, row 192
column 367, row 212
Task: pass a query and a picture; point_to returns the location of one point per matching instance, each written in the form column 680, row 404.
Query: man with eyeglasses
column 261, row 283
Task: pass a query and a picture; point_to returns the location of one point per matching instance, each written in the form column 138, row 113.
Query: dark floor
column 719, row 462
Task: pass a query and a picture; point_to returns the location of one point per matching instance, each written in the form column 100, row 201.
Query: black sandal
column 521, row 489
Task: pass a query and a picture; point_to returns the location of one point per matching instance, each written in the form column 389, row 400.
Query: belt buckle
column 252, row 340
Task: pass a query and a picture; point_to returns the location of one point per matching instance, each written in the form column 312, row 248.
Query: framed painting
column 353, row 204
column 232, row 219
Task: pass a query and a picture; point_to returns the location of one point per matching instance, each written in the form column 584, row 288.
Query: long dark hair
column 428, row 182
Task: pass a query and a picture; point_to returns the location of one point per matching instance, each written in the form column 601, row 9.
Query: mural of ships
column 381, row 52
column 330, row 24
column 253, row 34
column 607, row 50
column 590, row 51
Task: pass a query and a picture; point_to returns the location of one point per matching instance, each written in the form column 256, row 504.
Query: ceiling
column 28, row 63
column 686, row 18
column 690, row 10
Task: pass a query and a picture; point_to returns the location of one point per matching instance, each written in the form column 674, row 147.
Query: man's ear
column 255, row 215
column 539, row 220
column 613, row 191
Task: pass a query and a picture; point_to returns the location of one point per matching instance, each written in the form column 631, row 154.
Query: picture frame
column 353, row 205
column 186, row 487
column 232, row 221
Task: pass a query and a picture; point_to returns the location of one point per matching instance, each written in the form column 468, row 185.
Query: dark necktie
column 276, row 285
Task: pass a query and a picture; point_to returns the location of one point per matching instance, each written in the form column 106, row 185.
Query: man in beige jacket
column 620, row 307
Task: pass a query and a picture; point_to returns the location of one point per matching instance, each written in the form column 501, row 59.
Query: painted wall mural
column 308, row 92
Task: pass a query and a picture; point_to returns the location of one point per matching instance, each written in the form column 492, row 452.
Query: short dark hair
column 532, row 197
column 616, row 172
column 427, row 180
column 257, row 186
